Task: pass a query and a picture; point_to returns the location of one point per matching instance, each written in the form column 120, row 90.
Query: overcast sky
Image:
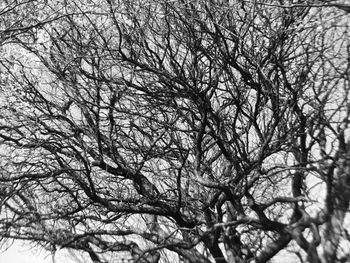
column 21, row 253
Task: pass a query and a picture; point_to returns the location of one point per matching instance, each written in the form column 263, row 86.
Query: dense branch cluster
column 177, row 131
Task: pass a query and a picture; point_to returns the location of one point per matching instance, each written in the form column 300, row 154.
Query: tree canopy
column 176, row 131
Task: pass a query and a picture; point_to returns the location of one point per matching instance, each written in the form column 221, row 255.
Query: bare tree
column 190, row 131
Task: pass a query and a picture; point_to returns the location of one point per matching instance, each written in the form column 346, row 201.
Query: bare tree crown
column 177, row 131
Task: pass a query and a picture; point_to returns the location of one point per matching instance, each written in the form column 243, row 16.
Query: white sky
column 22, row 253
